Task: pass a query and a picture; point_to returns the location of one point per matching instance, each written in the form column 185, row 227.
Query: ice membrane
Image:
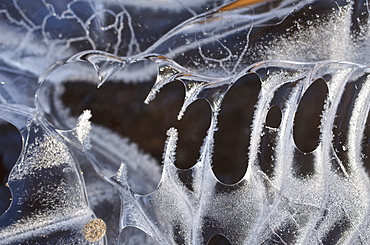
column 76, row 182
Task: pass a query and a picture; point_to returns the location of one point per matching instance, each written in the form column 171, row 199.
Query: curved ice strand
column 210, row 26
column 359, row 115
column 357, row 176
column 238, row 16
column 105, row 64
column 168, row 71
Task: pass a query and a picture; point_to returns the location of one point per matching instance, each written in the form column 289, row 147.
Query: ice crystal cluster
column 76, row 182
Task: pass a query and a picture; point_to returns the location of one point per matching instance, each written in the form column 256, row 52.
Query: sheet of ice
column 290, row 45
column 48, row 203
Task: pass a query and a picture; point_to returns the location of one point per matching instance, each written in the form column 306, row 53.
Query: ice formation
column 80, row 183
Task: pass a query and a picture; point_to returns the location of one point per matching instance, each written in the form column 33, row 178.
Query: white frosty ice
column 289, row 44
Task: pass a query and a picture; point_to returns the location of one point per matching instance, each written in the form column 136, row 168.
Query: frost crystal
column 83, row 128
column 77, row 182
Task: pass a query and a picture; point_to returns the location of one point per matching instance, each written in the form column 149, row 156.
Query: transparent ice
column 70, row 170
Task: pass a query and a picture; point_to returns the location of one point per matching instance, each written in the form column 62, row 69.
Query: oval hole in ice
column 307, row 119
column 232, row 138
column 268, row 141
column 192, row 129
column 218, row 240
column 10, row 148
column 337, row 231
column 273, row 118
